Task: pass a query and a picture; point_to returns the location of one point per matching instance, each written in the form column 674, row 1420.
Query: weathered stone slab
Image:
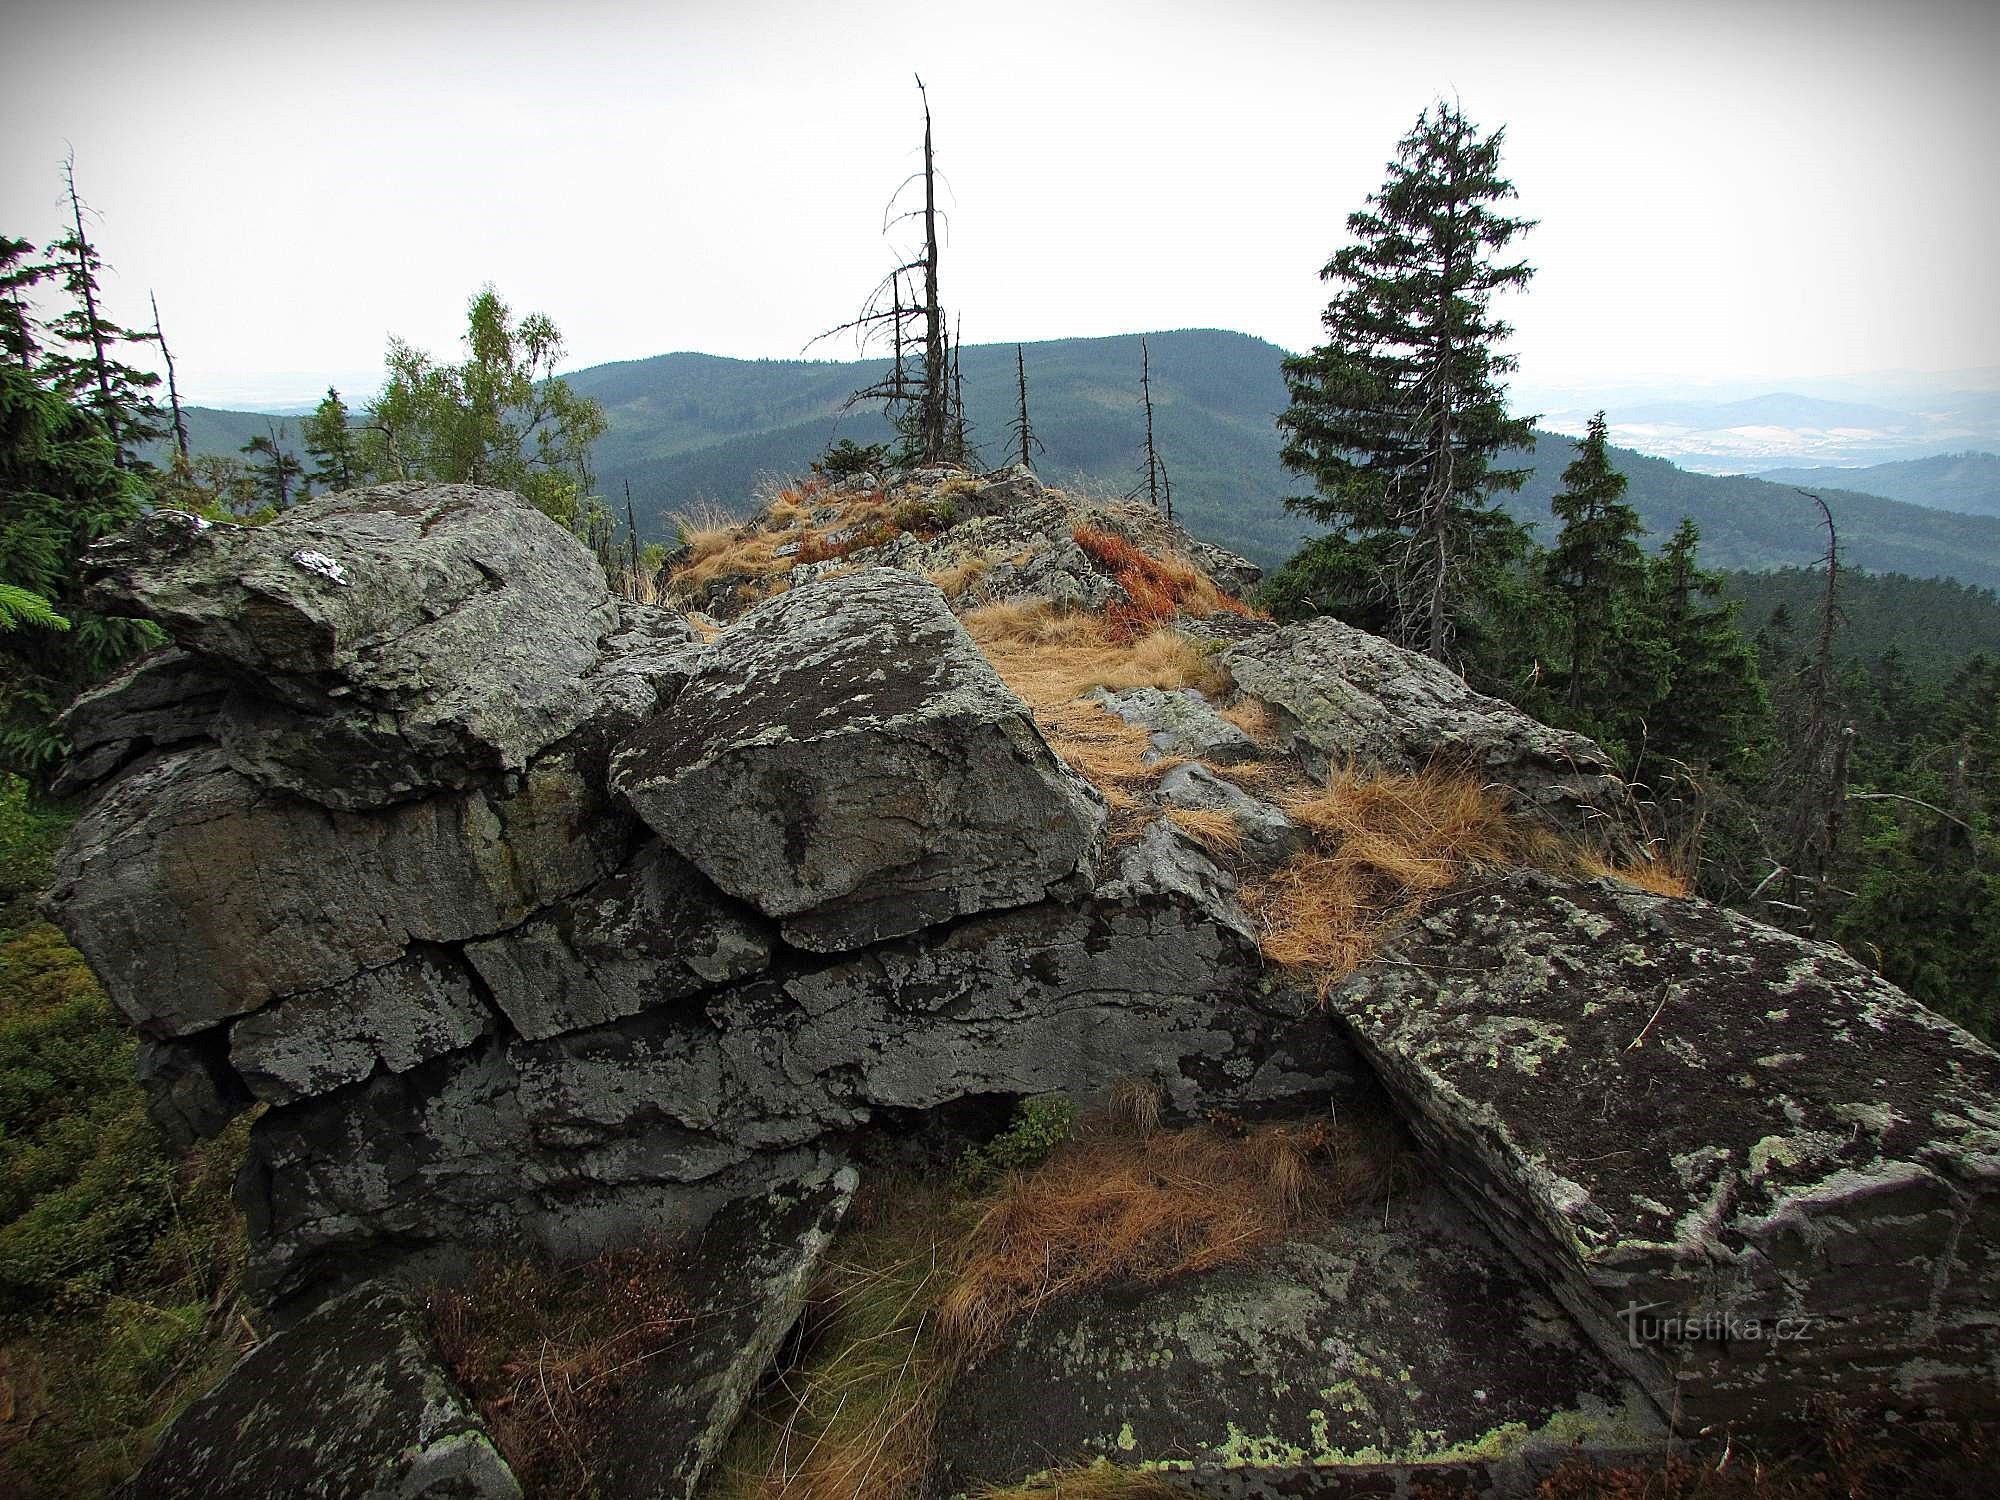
column 197, row 896
column 1268, row 835
column 394, row 1017
column 402, row 638
column 1380, row 1352
column 167, row 697
column 654, row 931
column 847, row 761
column 1179, row 723
column 745, row 1280
column 352, row 1402
column 1754, row 1170
column 1344, row 697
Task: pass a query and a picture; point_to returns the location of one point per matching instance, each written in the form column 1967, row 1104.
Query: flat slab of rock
column 353, row 1401
column 1752, row 1169
column 1179, row 723
column 399, row 638
column 1344, row 697
column 745, row 1281
column 846, row 760
column 1373, row 1354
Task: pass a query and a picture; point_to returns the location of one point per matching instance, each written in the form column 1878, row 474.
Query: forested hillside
column 692, row 428
column 1932, row 624
column 1968, row 482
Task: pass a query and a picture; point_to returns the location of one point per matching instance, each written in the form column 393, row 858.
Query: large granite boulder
column 389, row 640
column 1344, row 697
column 353, row 1401
column 846, row 760
column 1383, row 1352
column 1753, row 1170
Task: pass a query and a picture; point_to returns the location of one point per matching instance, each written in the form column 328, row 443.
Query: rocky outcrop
column 605, row 964
column 1753, row 1170
column 1180, row 723
column 848, row 762
column 1343, row 697
column 352, row 1402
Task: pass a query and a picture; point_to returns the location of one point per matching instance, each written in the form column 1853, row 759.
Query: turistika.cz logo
column 1644, row 1325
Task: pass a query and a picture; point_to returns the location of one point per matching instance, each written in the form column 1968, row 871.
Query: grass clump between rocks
column 927, row 1277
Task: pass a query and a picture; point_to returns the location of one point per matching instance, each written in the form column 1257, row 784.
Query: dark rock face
column 1344, row 697
column 848, row 762
column 745, row 1279
column 1753, row 1170
column 353, row 1401
column 1381, row 1351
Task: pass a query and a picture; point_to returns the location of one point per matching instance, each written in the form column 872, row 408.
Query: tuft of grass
column 923, row 1279
column 1381, row 847
column 1099, row 1479
column 1663, row 877
column 1216, row 831
column 957, row 580
column 1157, row 589
column 544, row 1349
column 1254, row 717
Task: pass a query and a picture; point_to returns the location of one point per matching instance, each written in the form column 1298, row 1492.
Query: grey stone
column 352, row 1404
column 1269, row 836
column 848, row 762
column 1164, row 861
column 654, row 931
column 393, row 1018
column 1342, row 696
column 167, row 697
column 196, row 896
column 191, row 1091
column 745, row 1281
column 1179, row 723
column 402, row 638
column 1753, row 1170
column 1386, row 1349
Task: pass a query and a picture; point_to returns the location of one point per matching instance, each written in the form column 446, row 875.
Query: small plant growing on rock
column 1038, row 1127
column 846, row 458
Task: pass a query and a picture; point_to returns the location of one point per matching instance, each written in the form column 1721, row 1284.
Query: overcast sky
column 1732, row 192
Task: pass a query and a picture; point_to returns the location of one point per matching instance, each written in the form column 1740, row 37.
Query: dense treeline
column 1934, row 624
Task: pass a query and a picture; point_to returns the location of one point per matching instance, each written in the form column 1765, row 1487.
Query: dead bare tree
column 917, row 394
column 173, row 388
column 1818, row 761
column 1159, row 490
column 1025, row 441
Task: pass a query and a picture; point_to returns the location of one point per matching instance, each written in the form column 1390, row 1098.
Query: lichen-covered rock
column 390, row 640
column 198, row 896
column 1384, row 1351
column 1268, row 835
column 1344, row 697
column 165, row 698
column 1753, row 1169
column 846, row 760
column 665, row 1113
column 1179, row 722
column 393, row 1018
column 744, row 1282
column 353, row 1402
column 653, row 931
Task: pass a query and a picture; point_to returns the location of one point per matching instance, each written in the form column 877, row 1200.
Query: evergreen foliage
column 330, row 444
column 1399, row 415
column 1596, row 568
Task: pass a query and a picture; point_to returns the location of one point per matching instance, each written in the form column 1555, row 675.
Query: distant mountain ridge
column 1967, row 482
column 692, row 429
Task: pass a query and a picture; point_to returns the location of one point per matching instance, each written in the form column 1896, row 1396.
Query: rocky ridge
column 528, row 912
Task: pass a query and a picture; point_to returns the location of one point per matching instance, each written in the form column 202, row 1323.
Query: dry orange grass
column 1383, row 845
column 1099, row 1479
column 1158, row 588
column 1663, row 877
column 954, row 581
column 1118, row 1205
column 1217, row 832
column 1254, row 717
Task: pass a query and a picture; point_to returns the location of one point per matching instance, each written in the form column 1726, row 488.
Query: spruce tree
column 1596, row 566
column 1400, row 414
column 1714, row 711
column 273, row 464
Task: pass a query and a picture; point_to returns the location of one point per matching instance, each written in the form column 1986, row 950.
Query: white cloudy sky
column 1728, row 191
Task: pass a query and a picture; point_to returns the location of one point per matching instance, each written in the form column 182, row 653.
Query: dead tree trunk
column 632, row 535
column 173, row 389
column 934, row 426
column 1024, row 436
column 1146, row 397
column 107, row 408
column 1821, row 777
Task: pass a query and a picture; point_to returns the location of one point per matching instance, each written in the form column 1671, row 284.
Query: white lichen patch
column 325, row 566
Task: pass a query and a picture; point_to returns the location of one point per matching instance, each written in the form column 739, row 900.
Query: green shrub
column 847, row 458
column 1039, row 1126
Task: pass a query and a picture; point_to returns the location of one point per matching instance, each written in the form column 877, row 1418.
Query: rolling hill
column 688, row 429
column 1966, row 482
